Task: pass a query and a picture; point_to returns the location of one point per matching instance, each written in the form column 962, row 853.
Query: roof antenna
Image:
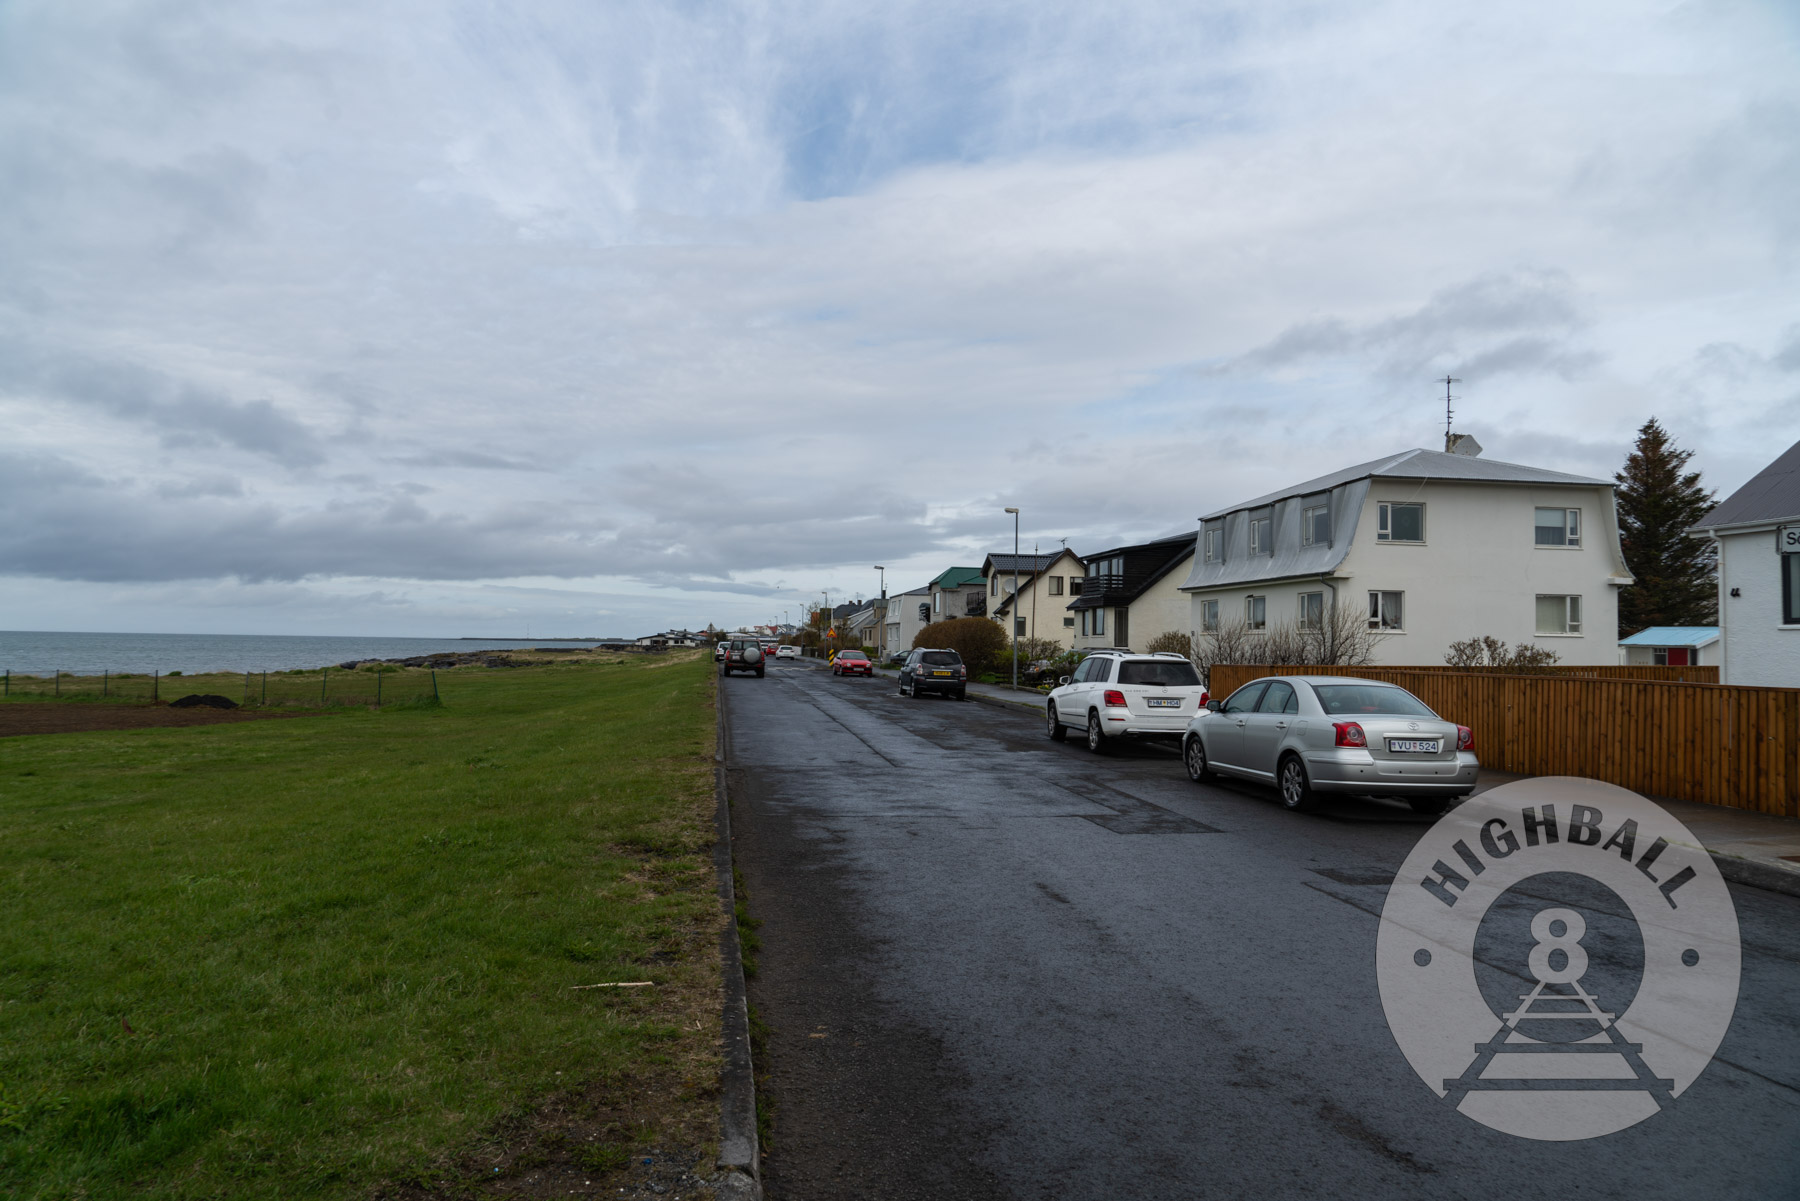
column 1449, row 413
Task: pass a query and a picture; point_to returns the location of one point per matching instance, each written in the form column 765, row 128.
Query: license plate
column 940, row 673
column 1414, row 746
column 1163, row 702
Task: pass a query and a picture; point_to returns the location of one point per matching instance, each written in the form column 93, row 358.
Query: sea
column 31, row 652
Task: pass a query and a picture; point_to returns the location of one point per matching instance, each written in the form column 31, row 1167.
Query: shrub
column 1489, row 652
column 1171, row 643
column 980, row 642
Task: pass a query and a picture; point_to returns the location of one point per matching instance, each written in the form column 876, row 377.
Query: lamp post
column 1013, row 617
column 824, row 634
column 881, row 632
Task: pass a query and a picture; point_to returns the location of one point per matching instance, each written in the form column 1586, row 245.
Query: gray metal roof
column 1421, row 464
column 1773, row 494
column 1004, row 563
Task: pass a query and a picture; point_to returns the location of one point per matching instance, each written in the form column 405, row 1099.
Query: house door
column 1122, row 627
column 1678, row 656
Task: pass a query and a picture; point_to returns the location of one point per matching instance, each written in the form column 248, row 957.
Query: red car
column 851, row 663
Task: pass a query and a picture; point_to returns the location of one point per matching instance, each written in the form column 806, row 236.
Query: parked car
column 719, row 651
column 930, row 669
column 850, row 662
column 1116, row 694
column 1313, row 734
column 898, row 657
column 743, row 654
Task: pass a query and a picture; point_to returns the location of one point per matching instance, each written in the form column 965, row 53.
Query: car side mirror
column 1062, row 680
column 1212, row 706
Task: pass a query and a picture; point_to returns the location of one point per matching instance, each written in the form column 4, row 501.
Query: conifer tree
column 1658, row 500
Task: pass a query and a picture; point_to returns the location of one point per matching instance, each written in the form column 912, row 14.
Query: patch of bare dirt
column 81, row 717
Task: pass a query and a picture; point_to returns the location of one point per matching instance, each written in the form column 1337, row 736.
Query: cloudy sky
column 590, row 318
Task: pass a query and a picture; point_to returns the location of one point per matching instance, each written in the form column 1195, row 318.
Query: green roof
column 959, row 577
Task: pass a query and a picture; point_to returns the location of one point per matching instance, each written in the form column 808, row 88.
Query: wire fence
column 318, row 688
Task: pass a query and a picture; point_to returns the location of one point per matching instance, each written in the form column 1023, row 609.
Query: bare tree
column 1487, row 651
column 1342, row 639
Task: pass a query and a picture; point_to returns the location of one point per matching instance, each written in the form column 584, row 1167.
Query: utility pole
column 881, row 634
column 1013, row 616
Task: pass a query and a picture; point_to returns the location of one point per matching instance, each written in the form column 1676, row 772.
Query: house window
column 937, row 602
column 1256, row 612
column 994, row 585
column 1790, row 590
column 1056, row 585
column 1075, row 585
column 1099, row 621
column 1312, row 611
column 1262, row 540
column 1315, row 525
column 1387, row 610
column 1400, row 523
column 1209, row 617
column 1558, row 527
column 1213, row 544
column 1019, row 626
column 1068, row 623
column 1559, row 615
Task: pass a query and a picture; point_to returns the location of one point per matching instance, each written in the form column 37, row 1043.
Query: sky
column 561, row 319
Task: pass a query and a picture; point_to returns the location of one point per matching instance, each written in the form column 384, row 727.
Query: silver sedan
column 1313, row 734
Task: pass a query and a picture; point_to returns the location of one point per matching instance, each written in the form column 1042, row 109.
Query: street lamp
column 1014, row 616
column 881, row 632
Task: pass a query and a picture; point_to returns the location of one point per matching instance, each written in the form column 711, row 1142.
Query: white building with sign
column 1427, row 548
column 1757, row 529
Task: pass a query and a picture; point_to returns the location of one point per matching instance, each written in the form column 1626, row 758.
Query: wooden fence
column 1718, row 744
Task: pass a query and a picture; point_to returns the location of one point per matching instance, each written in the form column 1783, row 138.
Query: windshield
column 1370, row 698
column 941, row 658
column 851, row 655
column 1167, row 674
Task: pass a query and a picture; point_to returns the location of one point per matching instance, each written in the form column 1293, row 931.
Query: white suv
column 787, row 652
column 1116, row 694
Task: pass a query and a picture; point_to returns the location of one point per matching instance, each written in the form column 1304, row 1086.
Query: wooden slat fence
column 1673, row 675
column 1713, row 743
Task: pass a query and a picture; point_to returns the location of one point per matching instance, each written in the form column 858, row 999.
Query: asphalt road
column 997, row 966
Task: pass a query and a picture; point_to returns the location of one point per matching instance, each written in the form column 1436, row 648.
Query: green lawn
column 313, row 955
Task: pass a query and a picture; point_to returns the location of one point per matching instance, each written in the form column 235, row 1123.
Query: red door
column 1678, row 656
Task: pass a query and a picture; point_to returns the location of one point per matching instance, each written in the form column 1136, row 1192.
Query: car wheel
column 759, row 673
column 1057, row 731
column 1430, row 808
column 1193, row 754
column 1296, row 789
column 1096, row 736
column 962, row 695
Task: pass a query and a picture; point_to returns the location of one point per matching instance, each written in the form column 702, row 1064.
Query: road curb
column 1009, row 703
column 1757, row 875
column 738, row 1151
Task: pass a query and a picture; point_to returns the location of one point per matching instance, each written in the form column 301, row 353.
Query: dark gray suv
column 934, row 670
column 743, row 654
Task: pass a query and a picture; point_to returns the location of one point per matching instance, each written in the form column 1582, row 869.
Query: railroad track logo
column 1558, row 959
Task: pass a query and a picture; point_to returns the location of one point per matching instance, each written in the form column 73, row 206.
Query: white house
column 907, row 614
column 1133, row 593
column 1046, row 583
column 1428, row 548
column 1757, row 529
column 1671, row 646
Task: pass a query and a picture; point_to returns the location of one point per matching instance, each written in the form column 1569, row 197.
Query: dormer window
column 1262, row 533
column 1315, row 525
column 1212, row 544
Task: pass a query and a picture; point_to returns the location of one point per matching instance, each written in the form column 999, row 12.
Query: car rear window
column 941, row 658
column 1370, row 698
column 1167, row 675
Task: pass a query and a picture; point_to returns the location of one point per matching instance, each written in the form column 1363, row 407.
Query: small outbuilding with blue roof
column 1671, row 646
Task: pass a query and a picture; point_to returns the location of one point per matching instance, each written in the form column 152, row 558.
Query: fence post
column 434, row 691
column 324, row 678
column 378, row 687
column 57, row 675
column 105, row 681
column 265, row 684
column 246, row 688
column 156, row 686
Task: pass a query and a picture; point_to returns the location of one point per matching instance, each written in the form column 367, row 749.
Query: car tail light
column 1204, row 698
column 1350, row 734
column 1114, row 698
column 1465, row 738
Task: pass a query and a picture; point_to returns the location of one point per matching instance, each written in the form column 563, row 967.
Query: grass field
column 337, row 955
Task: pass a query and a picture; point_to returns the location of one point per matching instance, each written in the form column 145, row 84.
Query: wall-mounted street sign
column 1787, row 539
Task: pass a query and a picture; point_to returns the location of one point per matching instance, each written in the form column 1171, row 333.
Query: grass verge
column 338, row 956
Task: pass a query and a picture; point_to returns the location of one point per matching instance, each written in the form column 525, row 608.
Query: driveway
column 997, row 966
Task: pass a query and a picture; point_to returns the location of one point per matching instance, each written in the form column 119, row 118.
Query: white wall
column 1477, row 572
column 1162, row 607
column 1758, row 649
column 1046, row 620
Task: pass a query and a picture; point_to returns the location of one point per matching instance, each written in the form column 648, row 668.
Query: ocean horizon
column 35, row 652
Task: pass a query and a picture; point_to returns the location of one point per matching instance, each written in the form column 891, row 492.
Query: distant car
column 743, row 654
column 719, row 651
column 934, row 670
column 1313, row 734
column 897, row 658
column 1116, row 694
column 787, row 652
column 850, row 662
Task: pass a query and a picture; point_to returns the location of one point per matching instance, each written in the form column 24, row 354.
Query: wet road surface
column 997, row 966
